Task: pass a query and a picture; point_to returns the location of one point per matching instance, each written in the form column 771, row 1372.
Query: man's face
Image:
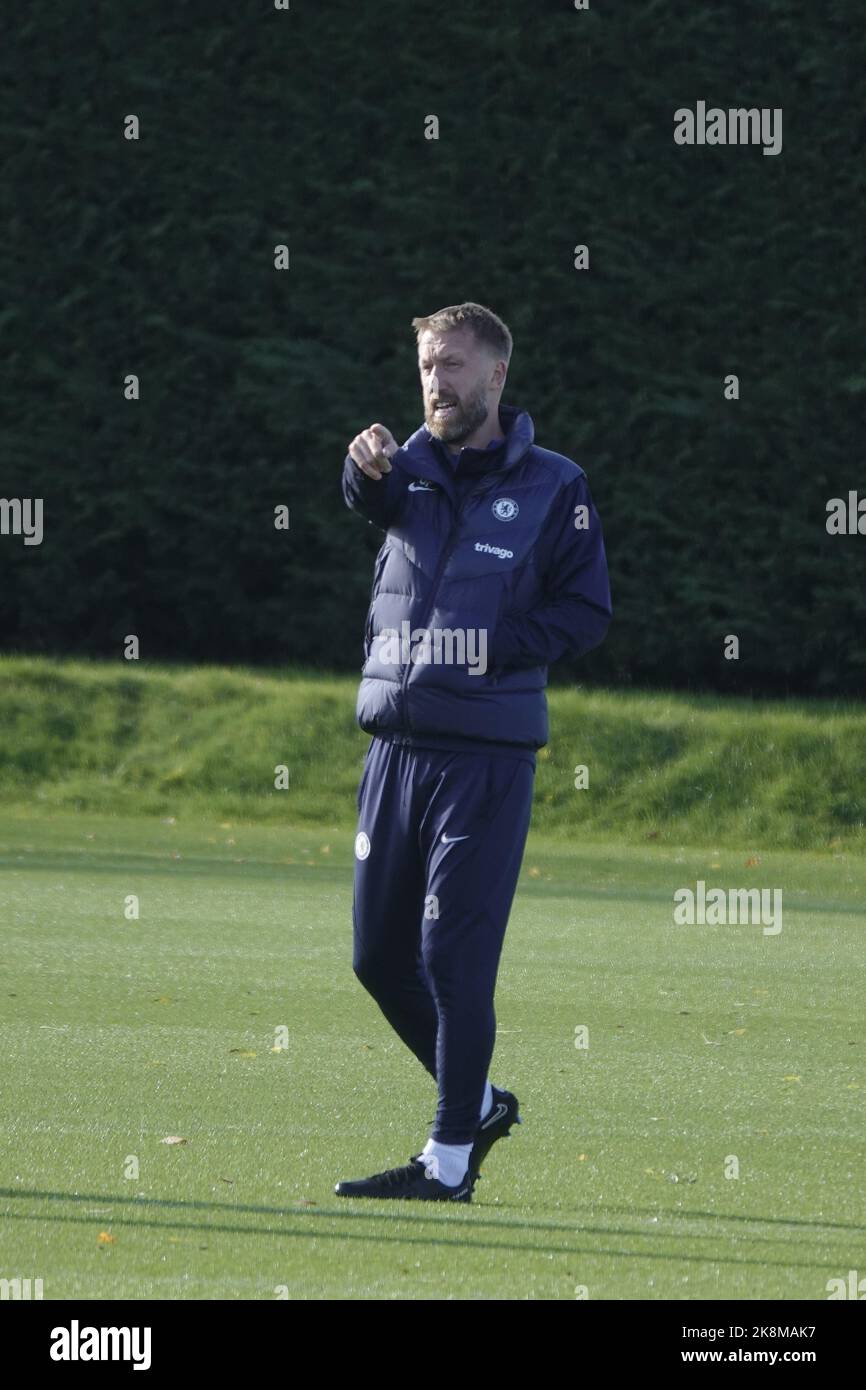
column 457, row 379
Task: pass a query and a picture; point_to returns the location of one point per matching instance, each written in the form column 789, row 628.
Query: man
column 493, row 565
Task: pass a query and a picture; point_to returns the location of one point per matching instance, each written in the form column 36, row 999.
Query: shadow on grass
column 346, row 1212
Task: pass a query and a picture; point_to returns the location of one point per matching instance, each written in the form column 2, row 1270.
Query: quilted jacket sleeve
column 577, row 609
column 376, row 501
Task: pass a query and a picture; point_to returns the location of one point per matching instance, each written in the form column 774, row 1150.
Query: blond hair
column 488, row 328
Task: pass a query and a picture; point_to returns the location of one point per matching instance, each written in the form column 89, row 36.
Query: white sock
column 447, row 1162
column 451, row 1161
column 487, row 1102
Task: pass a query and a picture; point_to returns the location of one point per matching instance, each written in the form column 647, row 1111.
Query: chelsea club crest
column 504, row 509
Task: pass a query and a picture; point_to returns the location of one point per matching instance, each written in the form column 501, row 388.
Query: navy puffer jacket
column 501, row 554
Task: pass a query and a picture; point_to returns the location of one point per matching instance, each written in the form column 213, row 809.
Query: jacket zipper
column 434, row 589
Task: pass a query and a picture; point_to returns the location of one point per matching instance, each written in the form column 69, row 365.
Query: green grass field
column 122, row 739
column 704, row 1043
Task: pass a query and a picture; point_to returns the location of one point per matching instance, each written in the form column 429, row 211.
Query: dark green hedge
column 306, row 127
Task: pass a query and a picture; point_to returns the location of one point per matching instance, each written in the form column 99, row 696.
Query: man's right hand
column 372, row 449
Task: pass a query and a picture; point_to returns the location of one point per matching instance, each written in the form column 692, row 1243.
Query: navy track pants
column 437, row 857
